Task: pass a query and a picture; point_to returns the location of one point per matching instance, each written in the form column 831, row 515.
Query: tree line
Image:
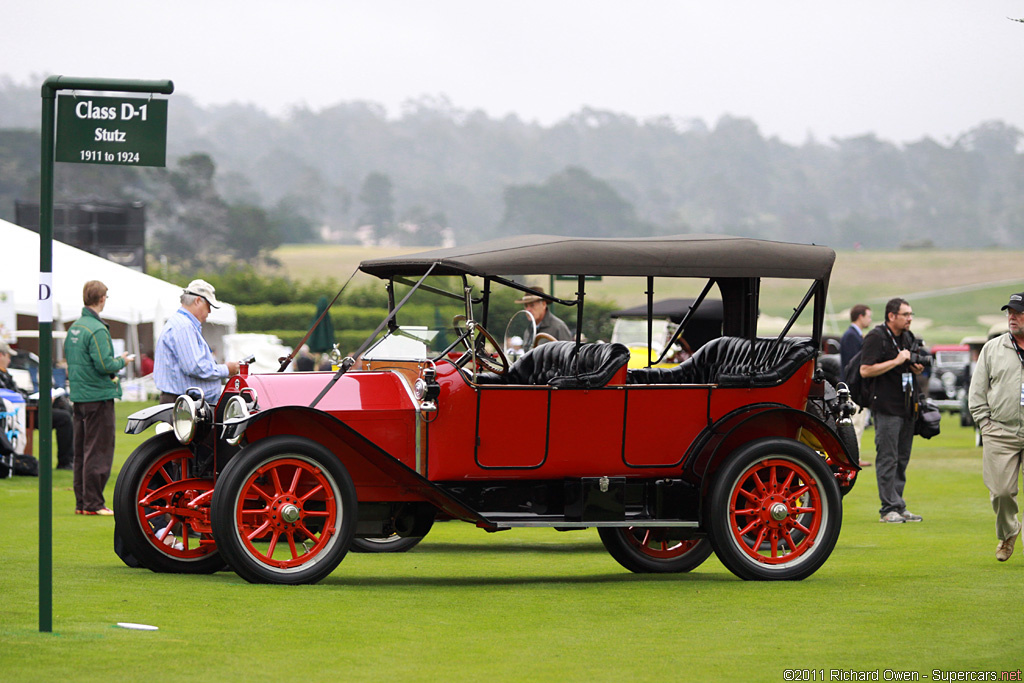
column 243, row 181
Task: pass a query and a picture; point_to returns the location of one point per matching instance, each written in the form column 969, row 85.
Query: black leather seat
column 725, row 361
column 559, row 365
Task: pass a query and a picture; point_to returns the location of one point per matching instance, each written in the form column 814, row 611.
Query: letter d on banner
column 45, row 297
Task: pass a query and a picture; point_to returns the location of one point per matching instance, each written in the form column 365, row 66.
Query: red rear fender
column 759, row 422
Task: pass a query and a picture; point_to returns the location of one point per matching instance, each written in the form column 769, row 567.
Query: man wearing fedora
column 547, row 322
column 183, row 358
column 996, row 401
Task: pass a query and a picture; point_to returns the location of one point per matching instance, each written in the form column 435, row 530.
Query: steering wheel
column 542, row 337
column 475, row 338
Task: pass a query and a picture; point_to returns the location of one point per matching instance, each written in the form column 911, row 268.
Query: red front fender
column 377, row 475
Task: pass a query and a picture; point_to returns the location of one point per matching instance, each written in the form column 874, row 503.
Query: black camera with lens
column 920, row 354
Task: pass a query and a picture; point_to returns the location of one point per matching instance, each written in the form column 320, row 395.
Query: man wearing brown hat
column 183, row 358
column 996, row 401
column 547, row 322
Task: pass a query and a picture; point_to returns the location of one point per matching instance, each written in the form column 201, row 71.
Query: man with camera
column 891, row 357
column 996, row 400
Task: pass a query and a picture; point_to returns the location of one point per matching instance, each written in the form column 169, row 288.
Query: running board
column 506, row 521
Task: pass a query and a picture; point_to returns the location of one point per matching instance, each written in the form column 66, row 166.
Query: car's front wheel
column 162, row 510
column 653, row 550
column 284, row 511
column 775, row 511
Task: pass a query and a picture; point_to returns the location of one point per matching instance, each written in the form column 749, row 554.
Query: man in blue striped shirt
column 183, row 358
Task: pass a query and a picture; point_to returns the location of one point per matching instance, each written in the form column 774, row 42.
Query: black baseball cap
column 1016, row 303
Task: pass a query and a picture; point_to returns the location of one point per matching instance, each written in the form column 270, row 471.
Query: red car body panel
column 634, row 430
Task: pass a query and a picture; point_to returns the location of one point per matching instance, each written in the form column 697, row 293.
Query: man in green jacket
column 92, row 374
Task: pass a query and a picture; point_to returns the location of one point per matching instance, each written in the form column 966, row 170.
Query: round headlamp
column 234, row 409
column 184, row 420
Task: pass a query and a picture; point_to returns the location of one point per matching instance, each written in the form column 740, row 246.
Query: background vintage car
column 949, row 376
column 631, row 328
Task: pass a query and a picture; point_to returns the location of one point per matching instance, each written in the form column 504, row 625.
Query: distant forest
column 240, row 181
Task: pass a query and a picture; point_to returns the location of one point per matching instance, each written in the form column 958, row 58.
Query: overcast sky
column 903, row 69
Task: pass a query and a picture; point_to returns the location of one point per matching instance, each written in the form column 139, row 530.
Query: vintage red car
column 737, row 450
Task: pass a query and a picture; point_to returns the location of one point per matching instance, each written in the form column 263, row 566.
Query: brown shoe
column 1005, row 548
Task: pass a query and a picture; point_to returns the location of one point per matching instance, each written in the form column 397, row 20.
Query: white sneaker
column 892, row 518
column 909, row 516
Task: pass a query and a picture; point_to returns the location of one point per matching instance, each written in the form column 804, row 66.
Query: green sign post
column 118, row 128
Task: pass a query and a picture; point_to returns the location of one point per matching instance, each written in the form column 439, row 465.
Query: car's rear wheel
column 385, row 544
column 284, row 511
column 162, row 511
column 653, row 550
column 775, row 511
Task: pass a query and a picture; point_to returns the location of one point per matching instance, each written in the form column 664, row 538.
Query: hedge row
column 262, row 317
column 347, row 340
column 352, row 324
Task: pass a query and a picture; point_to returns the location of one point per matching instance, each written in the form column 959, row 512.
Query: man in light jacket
column 996, row 401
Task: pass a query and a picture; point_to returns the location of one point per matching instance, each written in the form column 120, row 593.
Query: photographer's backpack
column 859, row 392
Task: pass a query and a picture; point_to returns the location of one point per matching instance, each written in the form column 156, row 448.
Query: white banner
column 8, row 318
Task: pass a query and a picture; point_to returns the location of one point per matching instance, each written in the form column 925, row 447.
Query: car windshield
column 411, row 343
column 952, row 357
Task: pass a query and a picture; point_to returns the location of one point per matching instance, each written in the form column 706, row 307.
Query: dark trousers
column 62, row 425
column 894, row 437
column 94, row 452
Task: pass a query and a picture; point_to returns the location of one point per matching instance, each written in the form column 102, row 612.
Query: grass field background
column 954, row 293
column 528, row 605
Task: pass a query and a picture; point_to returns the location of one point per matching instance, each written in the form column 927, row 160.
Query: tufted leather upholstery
column 557, row 364
column 724, row 361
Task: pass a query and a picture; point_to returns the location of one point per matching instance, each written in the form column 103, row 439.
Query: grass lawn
column 529, row 604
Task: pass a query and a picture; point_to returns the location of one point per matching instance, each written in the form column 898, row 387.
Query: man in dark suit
column 849, row 345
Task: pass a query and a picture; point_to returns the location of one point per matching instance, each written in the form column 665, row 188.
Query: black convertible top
column 704, row 256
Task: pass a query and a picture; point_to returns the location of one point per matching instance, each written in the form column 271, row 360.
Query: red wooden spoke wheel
column 775, row 510
column 173, row 507
column 655, row 543
column 654, row 549
column 162, row 509
column 287, row 512
column 284, row 511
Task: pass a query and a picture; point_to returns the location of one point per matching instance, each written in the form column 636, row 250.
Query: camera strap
column 895, row 341
column 1016, row 347
column 906, row 377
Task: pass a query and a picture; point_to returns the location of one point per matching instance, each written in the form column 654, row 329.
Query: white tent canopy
column 134, row 297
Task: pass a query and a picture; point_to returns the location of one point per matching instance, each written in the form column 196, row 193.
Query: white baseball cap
column 204, row 289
